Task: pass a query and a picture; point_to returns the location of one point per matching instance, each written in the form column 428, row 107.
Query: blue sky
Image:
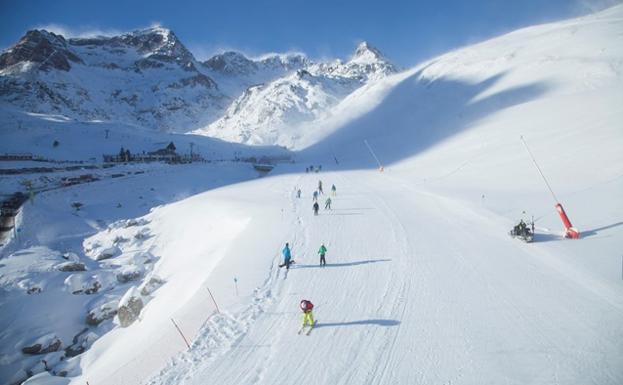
column 405, row 31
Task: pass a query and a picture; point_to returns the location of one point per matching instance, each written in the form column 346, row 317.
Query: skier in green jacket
column 322, row 251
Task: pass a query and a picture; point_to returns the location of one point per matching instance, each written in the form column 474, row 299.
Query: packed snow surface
column 423, row 284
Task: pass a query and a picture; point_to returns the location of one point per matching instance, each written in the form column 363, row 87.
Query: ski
column 283, row 264
column 311, row 327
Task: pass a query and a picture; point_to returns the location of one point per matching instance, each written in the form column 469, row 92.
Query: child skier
column 322, row 251
column 308, row 317
column 316, row 208
column 333, row 189
column 315, row 196
column 287, row 256
column 327, row 204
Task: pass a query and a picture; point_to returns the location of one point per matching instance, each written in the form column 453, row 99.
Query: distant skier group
column 316, row 195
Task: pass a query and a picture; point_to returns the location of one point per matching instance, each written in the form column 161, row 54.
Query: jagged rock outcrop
column 45, row 49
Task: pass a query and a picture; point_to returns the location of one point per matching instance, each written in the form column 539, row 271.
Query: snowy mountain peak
column 287, row 61
column 231, row 63
column 158, row 41
column 367, row 52
column 40, row 46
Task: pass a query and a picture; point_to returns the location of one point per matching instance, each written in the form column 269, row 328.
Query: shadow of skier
column 377, row 322
column 345, row 264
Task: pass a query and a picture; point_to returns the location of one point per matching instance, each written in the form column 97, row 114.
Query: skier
column 327, row 204
column 315, row 195
column 320, row 187
column 322, row 251
column 308, row 317
column 333, row 190
column 287, row 256
column 316, row 208
column 298, row 193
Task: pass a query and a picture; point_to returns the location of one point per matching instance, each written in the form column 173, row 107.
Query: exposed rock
column 81, row 342
column 34, row 290
column 46, row 344
column 108, row 253
column 130, row 307
column 71, row 256
column 101, row 313
column 119, row 239
column 81, row 284
column 43, row 47
column 129, row 273
column 71, row 266
column 151, row 285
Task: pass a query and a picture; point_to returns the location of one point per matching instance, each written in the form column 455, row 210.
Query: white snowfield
column 423, row 285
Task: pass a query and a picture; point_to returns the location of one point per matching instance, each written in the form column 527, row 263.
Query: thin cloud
column 80, row 31
column 591, row 6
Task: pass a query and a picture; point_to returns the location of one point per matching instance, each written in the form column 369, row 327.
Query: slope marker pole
column 217, row 309
column 374, row 155
column 182, row 334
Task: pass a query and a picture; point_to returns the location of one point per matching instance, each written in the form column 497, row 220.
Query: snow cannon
column 570, row 231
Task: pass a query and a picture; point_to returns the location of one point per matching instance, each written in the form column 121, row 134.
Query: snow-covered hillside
column 423, row 285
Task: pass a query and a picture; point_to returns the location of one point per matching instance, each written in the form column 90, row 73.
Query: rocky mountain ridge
column 148, row 78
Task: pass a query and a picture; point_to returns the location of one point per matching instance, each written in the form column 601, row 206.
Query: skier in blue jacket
column 287, row 256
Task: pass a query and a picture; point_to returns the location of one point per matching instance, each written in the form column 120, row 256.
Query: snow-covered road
column 418, row 288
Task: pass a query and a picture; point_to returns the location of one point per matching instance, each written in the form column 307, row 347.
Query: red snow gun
column 570, row 231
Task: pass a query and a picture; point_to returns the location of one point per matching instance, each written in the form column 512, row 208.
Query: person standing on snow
column 308, row 317
column 322, row 251
column 316, row 208
column 298, row 193
column 333, row 189
column 287, row 256
column 315, row 196
column 320, row 187
column 327, row 204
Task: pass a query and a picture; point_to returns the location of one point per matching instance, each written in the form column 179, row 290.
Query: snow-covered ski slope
column 422, row 284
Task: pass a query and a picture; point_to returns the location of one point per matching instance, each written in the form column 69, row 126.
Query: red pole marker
column 571, row 232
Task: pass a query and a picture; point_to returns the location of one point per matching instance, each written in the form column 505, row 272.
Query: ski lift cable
column 539, row 169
